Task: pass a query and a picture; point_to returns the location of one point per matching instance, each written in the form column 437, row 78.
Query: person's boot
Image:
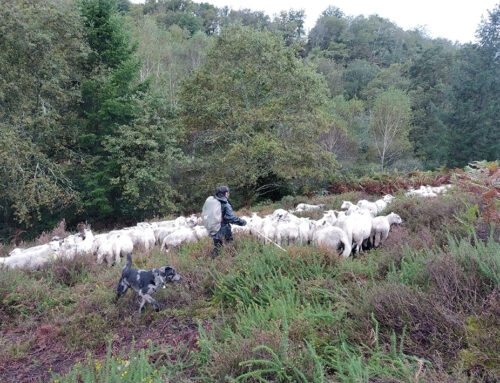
column 217, row 246
column 215, row 252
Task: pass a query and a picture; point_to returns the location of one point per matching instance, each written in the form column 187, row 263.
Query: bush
column 134, row 368
column 432, row 218
column 434, row 332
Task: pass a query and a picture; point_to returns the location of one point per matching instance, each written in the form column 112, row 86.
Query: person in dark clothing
column 228, row 218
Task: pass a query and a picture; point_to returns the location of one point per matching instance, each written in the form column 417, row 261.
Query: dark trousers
column 224, row 234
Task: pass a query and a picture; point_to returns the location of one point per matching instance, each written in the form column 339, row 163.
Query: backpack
column 212, row 215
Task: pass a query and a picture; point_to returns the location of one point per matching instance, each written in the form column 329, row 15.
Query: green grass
column 257, row 314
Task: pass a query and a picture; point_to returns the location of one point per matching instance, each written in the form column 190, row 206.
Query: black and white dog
column 145, row 282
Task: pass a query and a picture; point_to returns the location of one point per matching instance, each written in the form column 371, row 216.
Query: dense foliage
column 112, row 111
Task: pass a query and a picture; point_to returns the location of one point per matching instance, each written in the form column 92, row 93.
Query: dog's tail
column 129, row 260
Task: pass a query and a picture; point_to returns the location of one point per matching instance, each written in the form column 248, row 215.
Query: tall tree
column 147, row 155
column 291, row 25
column 429, row 89
column 329, row 34
column 357, row 76
column 390, row 126
column 474, row 121
column 108, row 101
column 38, row 94
column 252, row 112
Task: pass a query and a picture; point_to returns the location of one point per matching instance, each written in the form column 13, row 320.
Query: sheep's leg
column 383, row 238
column 117, row 257
column 109, row 259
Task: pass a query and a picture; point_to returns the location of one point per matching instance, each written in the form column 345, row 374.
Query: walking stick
column 269, row 239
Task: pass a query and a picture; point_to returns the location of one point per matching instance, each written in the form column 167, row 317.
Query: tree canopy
column 252, row 111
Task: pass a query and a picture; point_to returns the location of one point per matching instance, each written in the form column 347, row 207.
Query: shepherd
column 227, row 218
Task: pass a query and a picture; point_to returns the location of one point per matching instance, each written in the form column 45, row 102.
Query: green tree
column 357, row 75
column 291, row 25
column 342, row 137
column 429, row 89
column 474, row 121
column 255, row 19
column 147, row 155
column 377, row 40
column 252, row 113
column 390, row 126
column 38, row 97
column 108, row 101
column 168, row 56
column 329, row 34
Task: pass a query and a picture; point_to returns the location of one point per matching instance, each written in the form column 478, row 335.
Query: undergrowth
column 423, row 308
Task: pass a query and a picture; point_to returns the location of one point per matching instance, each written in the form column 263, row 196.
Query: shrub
column 134, row 368
column 59, row 231
column 433, row 331
column 480, row 356
column 353, row 363
column 432, row 218
column 67, row 272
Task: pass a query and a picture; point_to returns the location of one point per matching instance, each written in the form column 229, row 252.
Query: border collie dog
column 145, row 282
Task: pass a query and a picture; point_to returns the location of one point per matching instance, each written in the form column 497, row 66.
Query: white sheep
column 268, row 229
column 305, row 227
column 346, row 205
column 357, row 227
column 142, row 237
column 423, row 191
column 287, row 232
column 254, row 224
column 381, row 226
column 329, row 216
column 241, row 229
column 332, row 237
column 383, row 202
column 307, row 207
column 77, row 244
column 179, row 237
column 281, row 215
column 122, row 245
column 113, row 246
column 162, row 231
column 33, row 257
column 367, row 205
column 200, row 231
column 99, row 239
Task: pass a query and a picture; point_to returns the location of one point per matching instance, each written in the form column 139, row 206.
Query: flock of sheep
column 354, row 227
column 349, row 230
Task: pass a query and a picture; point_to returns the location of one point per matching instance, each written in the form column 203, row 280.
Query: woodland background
column 113, row 113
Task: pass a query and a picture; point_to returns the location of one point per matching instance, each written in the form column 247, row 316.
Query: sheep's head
column 280, row 214
column 388, row 198
column 192, row 220
column 394, row 219
column 346, row 205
